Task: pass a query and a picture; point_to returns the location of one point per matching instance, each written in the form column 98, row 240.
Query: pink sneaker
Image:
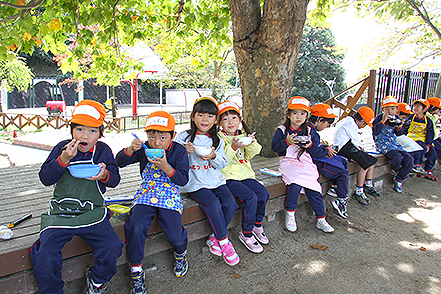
column 213, row 246
column 230, row 255
column 250, row 243
column 260, row 235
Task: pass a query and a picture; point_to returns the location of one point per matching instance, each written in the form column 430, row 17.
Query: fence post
column 388, row 83
column 407, row 87
column 425, row 85
column 371, row 90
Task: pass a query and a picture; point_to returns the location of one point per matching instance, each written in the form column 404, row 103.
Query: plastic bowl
column 202, row 151
column 150, row 153
column 83, row 171
column 245, row 140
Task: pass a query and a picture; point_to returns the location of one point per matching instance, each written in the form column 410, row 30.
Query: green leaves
column 14, row 71
column 87, row 38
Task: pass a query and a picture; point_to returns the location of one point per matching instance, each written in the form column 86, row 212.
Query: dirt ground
column 390, row 246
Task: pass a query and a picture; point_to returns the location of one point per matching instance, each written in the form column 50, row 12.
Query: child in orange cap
column 77, row 207
column 241, row 179
column 422, row 131
column 329, row 164
column 404, row 112
column 386, row 128
column 434, row 114
column 348, row 141
column 292, row 142
column 158, row 195
column 207, row 184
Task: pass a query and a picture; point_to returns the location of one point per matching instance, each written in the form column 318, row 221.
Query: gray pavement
column 14, row 155
column 17, row 155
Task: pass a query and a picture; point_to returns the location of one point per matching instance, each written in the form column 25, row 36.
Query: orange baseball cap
column 89, row 113
column 298, row 102
column 435, row 101
column 404, row 107
column 422, row 101
column 389, row 101
column 322, row 110
column 367, row 114
column 209, row 98
column 160, row 121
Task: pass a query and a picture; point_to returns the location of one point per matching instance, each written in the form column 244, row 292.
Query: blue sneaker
column 398, row 186
column 90, row 287
column 371, row 191
column 138, row 283
column 361, row 197
column 181, row 265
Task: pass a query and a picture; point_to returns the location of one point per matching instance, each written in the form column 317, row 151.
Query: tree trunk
column 266, row 45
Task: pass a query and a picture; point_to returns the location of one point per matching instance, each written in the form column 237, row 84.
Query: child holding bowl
column 77, row 207
column 240, row 147
column 158, row 195
column 207, row 185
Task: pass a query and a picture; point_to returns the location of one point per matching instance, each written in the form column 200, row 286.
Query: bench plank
column 32, row 197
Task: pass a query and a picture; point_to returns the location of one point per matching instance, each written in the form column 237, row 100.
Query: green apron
column 76, row 203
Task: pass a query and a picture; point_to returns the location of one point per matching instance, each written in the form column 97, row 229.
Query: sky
column 358, row 35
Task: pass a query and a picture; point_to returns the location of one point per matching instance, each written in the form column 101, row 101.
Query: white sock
column 95, row 284
column 369, row 183
column 223, row 241
column 135, row 269
column 359, row 190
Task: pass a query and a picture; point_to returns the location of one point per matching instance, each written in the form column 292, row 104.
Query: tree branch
column 30, row 5
column 424, row 16
column 115, row 26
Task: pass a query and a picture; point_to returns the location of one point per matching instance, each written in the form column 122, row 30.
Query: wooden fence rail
column 118, row 124
column 21, row 121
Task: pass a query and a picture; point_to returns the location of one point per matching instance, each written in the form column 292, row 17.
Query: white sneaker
column 290, row 222
column 323, row 225
column 332, row 192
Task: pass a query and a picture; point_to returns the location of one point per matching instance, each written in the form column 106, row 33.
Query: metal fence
column 138, row 121
column 407, row 86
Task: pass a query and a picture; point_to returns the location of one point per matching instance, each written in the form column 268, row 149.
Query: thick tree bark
column 266, row 44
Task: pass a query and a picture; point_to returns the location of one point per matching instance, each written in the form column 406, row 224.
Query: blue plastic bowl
column 154, row 152
column 83, row 171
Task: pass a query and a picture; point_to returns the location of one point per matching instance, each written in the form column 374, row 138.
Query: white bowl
column 202, row 151
column 245, row 140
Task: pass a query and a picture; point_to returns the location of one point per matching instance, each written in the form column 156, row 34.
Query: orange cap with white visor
column 322, row 110
column 89, row 113
column 298, row 102
column 405, row 108
column 389, row 101
column 367, row 114
column 160, row 121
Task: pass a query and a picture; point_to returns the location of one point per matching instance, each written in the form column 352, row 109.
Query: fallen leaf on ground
column 423, row 248
column 235, row 275
column 421, row 203
column 319, row 246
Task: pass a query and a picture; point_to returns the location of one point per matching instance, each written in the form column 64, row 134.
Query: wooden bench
column 23, row 193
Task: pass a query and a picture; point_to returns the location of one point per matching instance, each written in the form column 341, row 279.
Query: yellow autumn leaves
column 54, row 25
